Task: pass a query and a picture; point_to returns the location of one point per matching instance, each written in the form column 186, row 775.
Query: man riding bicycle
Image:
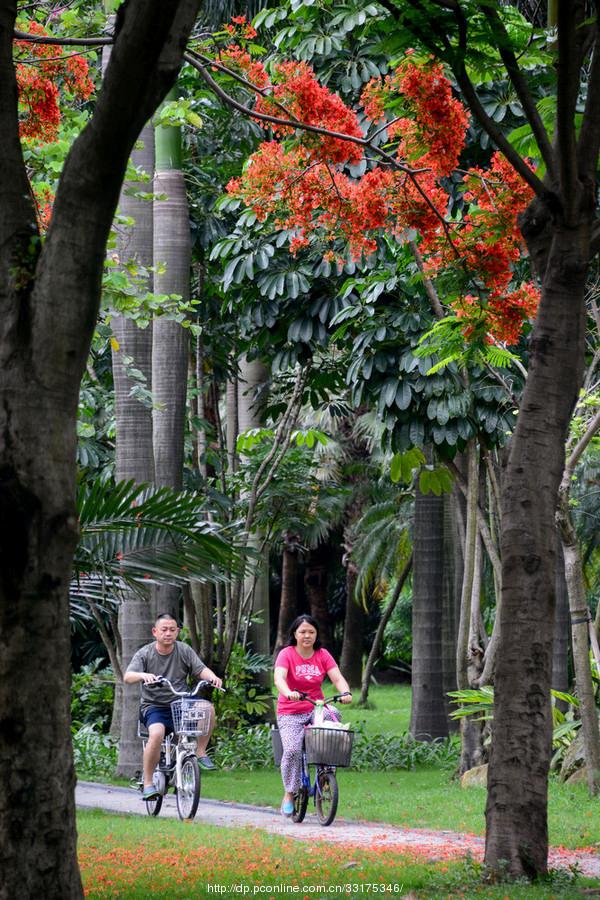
column 166, row 657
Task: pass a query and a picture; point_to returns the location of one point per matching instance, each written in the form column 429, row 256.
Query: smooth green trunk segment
column 167, row 142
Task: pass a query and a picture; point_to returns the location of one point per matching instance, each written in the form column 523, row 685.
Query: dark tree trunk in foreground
column 516, row 812
column 428, row 718
column 49, row 297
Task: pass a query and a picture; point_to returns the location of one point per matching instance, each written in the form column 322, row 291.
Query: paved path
column 357, row 834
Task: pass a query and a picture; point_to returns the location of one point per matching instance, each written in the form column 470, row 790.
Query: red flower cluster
column 296, row 89
column 38, row 84
column 499, row 316
column 432, row 135
column 234, row 57
column 302, row 187
column 241, row 28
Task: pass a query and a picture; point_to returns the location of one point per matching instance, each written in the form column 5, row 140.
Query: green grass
column 388, row 709
column 423, row 798
column 138, row 858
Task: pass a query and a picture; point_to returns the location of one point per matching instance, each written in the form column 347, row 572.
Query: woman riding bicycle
column 300, row 668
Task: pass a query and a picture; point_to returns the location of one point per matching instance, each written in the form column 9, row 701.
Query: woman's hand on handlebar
column 295, row 695
column 346, row 697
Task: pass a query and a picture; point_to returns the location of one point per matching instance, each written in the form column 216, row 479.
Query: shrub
column 94, row 753
column 250, row 748
column 92, row 693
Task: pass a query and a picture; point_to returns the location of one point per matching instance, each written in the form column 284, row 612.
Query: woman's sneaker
column 287, row 808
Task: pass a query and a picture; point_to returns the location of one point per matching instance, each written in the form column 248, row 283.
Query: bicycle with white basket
column 178, row 763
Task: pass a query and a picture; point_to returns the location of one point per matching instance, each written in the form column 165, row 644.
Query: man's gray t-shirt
column 177, row 666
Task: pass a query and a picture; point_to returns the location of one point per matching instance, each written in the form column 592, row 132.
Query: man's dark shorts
column 160, row 714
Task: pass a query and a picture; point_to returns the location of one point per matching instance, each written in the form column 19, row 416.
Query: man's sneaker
column 206, row 762
column 150, row 793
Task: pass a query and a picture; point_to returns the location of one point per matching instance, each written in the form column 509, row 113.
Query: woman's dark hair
column 301, row 620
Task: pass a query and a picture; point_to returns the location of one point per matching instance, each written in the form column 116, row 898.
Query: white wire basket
column 191, row 716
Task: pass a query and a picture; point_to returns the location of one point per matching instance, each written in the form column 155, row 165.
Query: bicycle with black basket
column 178, row 763
column 327, row 748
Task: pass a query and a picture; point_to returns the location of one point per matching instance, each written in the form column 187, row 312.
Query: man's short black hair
column 166, row 615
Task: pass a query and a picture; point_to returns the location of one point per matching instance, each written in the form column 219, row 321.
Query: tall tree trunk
column 351, row 657
column 170, row 345
column 516, row 812
column 560, row 654
column 573, row 568
column 133, row 445
column 453, row 563
column 288, row 604
column 252, row 391
column 315, row 580
column 49, row 299
column 428, row 713
column 468, row 652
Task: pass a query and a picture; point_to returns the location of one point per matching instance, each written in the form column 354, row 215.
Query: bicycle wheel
column 159, row 781
column 153, row 807
column 326, row 797
column 189, row 794
column 300, row 804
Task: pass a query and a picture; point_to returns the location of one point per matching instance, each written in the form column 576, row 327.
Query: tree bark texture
column 428, row 712
column 516, row 811
column 49, row 297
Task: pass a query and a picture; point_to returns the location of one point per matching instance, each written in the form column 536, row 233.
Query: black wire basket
column 328, row 746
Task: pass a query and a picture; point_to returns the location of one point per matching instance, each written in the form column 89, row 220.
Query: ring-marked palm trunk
column 170, row 342
column 133, row 443
column 428, row 712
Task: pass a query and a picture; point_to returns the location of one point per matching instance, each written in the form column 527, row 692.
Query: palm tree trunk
column 315, row 580
column 428, row 713
column 170, row 345
column 252, row 391
column 351, row 656
column 288, row 604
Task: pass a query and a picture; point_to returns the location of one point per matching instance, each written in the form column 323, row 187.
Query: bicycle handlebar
column 325, row 700
column 202, row 683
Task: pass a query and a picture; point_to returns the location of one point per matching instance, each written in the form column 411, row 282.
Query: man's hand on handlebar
column 216, row 682
column 149, row 678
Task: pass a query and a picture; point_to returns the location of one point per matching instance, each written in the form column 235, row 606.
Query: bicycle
column 178, row 763
column 326, row 749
